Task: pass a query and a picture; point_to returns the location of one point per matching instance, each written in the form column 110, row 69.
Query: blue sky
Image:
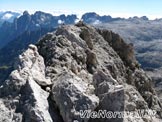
column 123, row 8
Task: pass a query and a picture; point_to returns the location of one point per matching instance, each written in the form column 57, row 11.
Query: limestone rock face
column 106, row 62
column 22, row 98
column 78, row 68
column 72, row 94
column 124, row 50
column 34, row 64
column 37, row 96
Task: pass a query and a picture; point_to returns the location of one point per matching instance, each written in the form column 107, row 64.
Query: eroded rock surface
column 72, row 94
column 22, row 98
column 82, row 68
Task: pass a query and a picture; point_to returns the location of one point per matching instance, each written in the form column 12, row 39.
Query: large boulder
column 73, row 94
column 22, row 96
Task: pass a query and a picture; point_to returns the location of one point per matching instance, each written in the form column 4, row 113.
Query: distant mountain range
column 27, row 22
column 8, row 16
column 12, row 24
column 18, row 30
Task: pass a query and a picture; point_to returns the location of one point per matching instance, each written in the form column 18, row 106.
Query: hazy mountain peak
column 26, row 13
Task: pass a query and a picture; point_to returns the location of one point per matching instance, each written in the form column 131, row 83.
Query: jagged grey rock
column 37, row 96
column 106, row 61
column 33, row 63
column 87, row 69
column 23, row 99
column 72, row 94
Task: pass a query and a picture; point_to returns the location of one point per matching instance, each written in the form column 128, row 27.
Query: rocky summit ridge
column 77, row 67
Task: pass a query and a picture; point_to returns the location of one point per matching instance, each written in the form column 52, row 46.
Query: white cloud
column 7, row 16
column 96, row 22
column 60, row 21
column 77, row 20
column 127, row 15
column 81, row 12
